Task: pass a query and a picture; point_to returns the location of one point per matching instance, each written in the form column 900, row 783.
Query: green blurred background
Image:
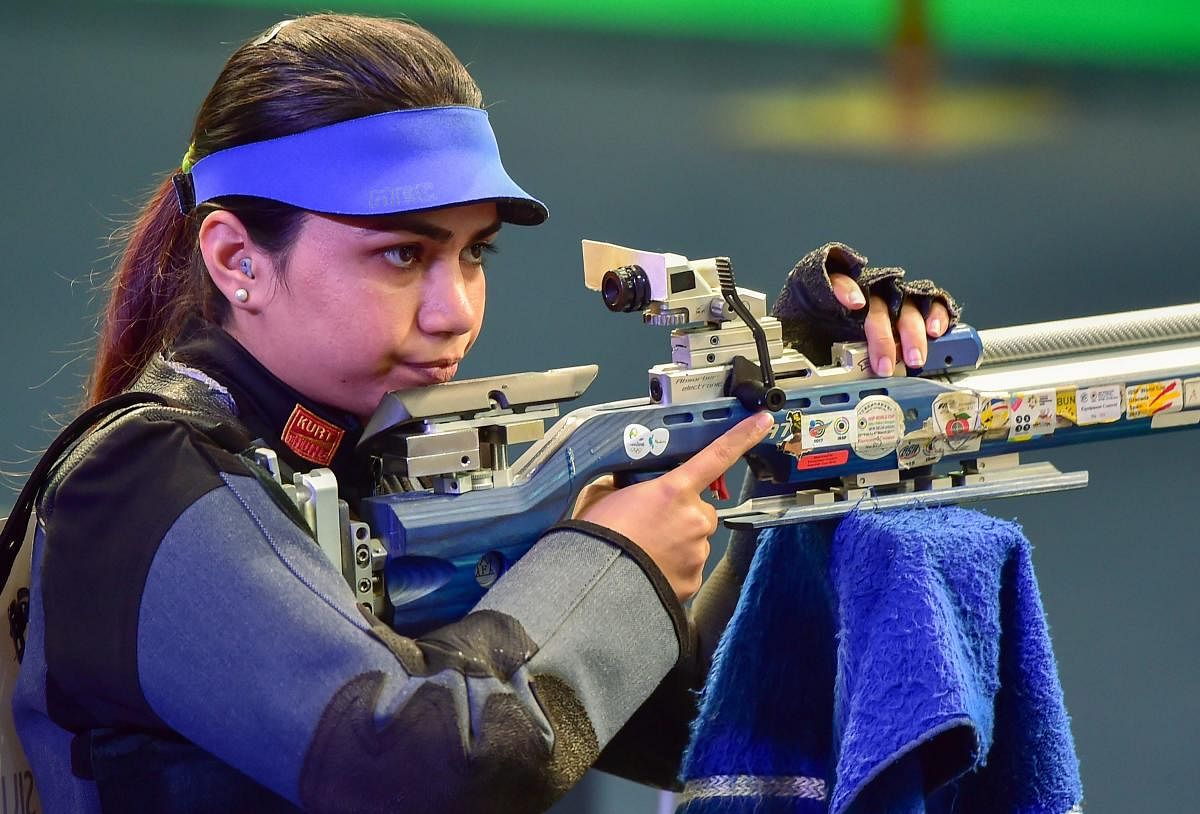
column 1038, row 158
column 1156, row 32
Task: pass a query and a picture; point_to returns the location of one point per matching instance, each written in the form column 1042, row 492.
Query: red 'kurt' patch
column 311, row 437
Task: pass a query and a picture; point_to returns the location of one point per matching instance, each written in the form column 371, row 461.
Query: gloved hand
column 832, row 295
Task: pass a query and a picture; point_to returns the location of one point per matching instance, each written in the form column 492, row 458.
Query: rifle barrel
column 1126, row 329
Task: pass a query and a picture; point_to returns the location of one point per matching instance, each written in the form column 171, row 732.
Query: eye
column 476, row 252
column 403, row 257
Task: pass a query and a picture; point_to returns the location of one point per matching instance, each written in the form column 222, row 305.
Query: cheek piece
column 388, row 163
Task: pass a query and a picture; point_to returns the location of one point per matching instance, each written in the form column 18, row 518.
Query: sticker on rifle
column 1099, row 405
column 820, row 460
column 957, row 418
column 642, row 441
column 920, row 448
column 994, row 412
column 1191, row 393
column 1032, row 414
column 827, row 430
column 879, row 426
column 1145, row 400
column 1064, row 407
column 1166, row 421
column 970, row 442
column 956, row 413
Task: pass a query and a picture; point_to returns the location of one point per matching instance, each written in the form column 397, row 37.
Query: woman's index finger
column 714, row 460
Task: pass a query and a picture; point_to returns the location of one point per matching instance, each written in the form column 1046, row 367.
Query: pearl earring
column 241, row 295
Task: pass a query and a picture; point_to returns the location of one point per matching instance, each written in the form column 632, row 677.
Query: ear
column 228, row 251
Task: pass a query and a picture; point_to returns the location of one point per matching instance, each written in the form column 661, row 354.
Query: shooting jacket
column 190, row 648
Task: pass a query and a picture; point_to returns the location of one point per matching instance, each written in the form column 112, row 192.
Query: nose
column 447, row 305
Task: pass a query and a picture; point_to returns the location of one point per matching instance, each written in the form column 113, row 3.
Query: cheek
column 479, row 299
column 477, row 294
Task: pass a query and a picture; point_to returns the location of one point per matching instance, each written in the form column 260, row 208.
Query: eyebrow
column 414, row 224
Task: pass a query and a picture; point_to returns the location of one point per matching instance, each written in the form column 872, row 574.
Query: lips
column 434, row 371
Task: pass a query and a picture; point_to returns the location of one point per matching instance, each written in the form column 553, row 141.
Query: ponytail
column 150, row 294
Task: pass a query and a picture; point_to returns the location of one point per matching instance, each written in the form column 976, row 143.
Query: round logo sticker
column 880, row 427
column 641, row 441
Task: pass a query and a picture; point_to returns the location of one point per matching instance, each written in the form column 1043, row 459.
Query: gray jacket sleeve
column 253, row 648
column 649, row 749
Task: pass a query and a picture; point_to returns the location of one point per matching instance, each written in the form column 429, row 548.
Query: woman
column 189, row 647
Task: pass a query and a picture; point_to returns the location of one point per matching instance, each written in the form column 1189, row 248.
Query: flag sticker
column 994, row 413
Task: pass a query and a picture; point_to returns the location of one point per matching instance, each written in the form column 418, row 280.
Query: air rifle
column 844, row 438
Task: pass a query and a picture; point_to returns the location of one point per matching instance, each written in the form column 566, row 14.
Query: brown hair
column 305, row 73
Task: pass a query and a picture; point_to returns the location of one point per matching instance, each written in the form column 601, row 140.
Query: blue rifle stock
column 843, row 437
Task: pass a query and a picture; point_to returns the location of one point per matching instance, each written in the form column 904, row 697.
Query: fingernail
column 935, row 326
column 856, row 299
column 764, row 421
column 913, row 358
column 884, row 366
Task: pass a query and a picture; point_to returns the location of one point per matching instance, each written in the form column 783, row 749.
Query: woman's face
column 368, row 305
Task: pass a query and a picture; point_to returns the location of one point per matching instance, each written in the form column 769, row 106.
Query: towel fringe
column 748, row 785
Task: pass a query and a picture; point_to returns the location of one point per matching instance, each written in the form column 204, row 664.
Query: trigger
column 719, row 489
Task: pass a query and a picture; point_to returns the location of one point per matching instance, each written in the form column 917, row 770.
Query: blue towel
column 896, row 663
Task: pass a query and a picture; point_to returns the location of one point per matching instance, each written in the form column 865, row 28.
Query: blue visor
column 402, row 161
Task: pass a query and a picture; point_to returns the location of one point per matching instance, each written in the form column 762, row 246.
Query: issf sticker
column 1151, row 398
column 1032, row 414
column 642, row 441
column 1102, row 404
column 879, row 425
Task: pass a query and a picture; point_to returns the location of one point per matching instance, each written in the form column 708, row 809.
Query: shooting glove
column 813, row 318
